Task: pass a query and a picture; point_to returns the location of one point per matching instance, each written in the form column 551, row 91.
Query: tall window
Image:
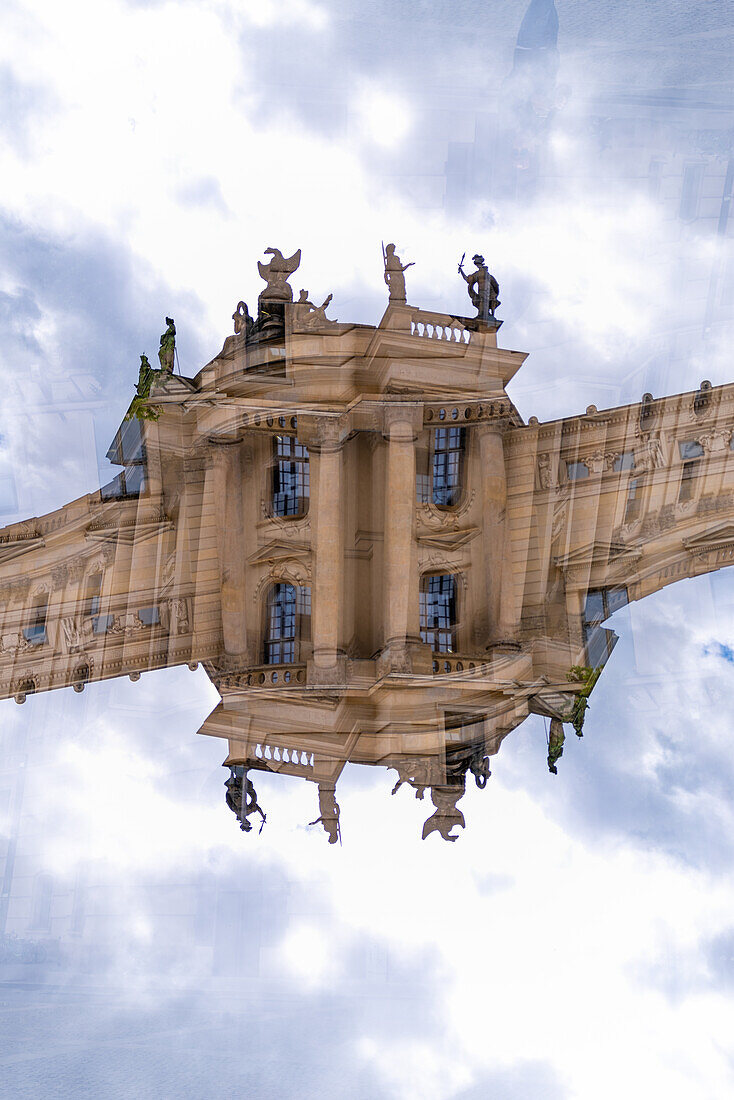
column 448, row 452
column 634, row 498
column 600, row 604
column 438, row 612
column 36, row 632
column 93, row 594
column 691, row 453
column 291, row 482
column 288, row 614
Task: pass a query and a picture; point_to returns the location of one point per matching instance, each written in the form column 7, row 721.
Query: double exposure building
column 373, row 557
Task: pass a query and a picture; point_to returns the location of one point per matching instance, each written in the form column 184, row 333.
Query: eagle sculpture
column 276, row 274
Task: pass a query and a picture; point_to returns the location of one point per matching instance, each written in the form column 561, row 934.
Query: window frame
column 460, row 451
column 301, row 615
column 431, row 635
column 301, row 476
column 691, row 469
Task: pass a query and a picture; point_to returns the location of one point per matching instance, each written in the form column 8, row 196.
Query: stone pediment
column 448, row 540
column 279, row 550
column 713, row 539
column 597, row 553
column 128, row 531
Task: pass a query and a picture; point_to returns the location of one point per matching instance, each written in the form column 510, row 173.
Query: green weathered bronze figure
column 168, row 346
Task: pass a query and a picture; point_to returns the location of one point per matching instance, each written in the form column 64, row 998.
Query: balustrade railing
column 446, row 663
column 436, row 326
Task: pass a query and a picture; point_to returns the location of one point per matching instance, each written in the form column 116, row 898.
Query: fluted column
column 230, row 525
column 328, row 549
column 496, row 536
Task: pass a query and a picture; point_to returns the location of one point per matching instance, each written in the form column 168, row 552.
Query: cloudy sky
column 578, row 940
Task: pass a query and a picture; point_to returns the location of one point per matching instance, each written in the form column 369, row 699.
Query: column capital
column 402, row 420
column 323, row 433
column 494, row 426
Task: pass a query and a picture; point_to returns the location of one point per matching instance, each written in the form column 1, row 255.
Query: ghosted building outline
column 372, row 555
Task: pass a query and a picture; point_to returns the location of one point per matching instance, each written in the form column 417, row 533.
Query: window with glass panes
column 438, row 612
column 632, row 507
column 129, row 451
column 291, row 484
column 448, row 450
column 36, row 632
column 600, row 604
column 280, row 636
column 691, row 453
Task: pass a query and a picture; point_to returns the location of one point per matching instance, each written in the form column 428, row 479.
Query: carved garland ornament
column 297, row 573
column 442, row 519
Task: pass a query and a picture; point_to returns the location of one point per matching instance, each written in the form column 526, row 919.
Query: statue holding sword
column 483, row 288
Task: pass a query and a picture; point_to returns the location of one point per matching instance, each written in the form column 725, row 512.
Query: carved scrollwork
column 715, row 440
column 443, row 519
column 289, row 526
column 290, row 571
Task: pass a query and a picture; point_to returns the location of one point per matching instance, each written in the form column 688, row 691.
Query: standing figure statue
column 482, row 287
column 241, row 797
column 395, row 274
column 276, row 275
column 329, row 812
column 168, row 346
column 556, row 741
column 144, row 377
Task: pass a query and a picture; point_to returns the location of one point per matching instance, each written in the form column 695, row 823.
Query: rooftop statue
column 307, row 315
column 276, row 275
column 395, row 274
column 243, row 322
column 241, row 798
column 329, row 812
column 168, row 346
column 362, row 585
column 483, row 288
column 556, row 741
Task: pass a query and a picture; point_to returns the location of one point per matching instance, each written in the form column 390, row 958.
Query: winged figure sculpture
column 276, row 274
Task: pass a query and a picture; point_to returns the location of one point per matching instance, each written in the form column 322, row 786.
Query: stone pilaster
column 402, row 425
column 326, row 457
column 229, row 509
column 496, row 536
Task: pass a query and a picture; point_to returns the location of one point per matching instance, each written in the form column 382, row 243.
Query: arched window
column 448, row 459
column 291, row 482
column 438, row 612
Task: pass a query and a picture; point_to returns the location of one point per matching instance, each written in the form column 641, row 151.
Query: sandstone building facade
column 373, row 557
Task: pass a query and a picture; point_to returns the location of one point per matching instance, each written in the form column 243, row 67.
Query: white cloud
column 384, row 117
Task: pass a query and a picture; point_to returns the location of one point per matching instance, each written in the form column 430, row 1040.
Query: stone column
column 495, row 536
column 400, row 602
column 328, row 548
column 230, row 526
